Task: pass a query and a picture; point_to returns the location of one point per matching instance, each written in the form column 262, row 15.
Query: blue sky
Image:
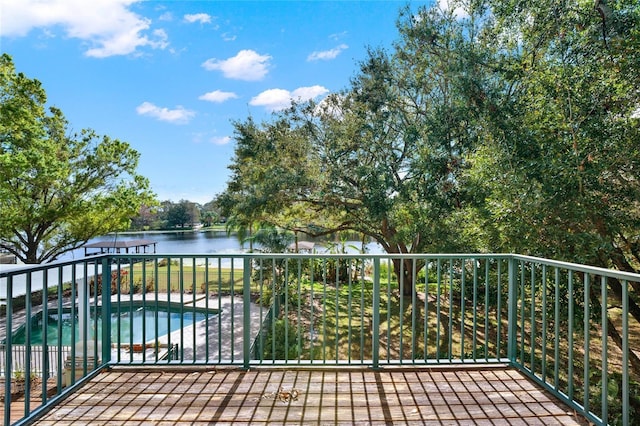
column 169, row 77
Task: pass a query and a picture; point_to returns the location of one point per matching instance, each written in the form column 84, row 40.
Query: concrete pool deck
column 219, row 338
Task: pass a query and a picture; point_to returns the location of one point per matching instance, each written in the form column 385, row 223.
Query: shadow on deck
column 494, row 395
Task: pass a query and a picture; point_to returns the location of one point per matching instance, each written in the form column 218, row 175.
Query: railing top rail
column 611, row 273
column 424, row 256
column 260, row 255
column 22, row 269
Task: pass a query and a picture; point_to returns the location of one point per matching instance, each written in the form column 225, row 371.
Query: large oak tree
column 58, row 189
column 384, row 157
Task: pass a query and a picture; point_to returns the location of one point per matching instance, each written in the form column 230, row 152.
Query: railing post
column 246, row 312
column 8, row 364
column 375, row 332
column 106, row 310
column 512, row 318
column 625, row 352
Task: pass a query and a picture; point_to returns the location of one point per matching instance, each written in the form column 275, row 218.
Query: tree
column 383, row 158
column 177, row 214
column 58, row 189
column 560, row 171
column 145, row 219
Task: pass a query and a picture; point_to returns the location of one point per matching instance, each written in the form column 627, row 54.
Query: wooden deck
column 496, row 396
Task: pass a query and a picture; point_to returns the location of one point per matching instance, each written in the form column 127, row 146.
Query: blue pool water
column 141, row 323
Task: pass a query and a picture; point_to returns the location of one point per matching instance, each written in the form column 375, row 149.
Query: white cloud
column 278, row 99
column 179, row 115
column 246, row 65
column 217, row 96
column 203, row 18
column 338, row 36
column 109, row 26
column 220, row 140
column 306, row 93
column 459, row 12
column 166, row 16
column 228, row 37
column 331, row 106
column 327, row 54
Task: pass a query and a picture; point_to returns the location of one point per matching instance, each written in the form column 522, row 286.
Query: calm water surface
column 202, row 242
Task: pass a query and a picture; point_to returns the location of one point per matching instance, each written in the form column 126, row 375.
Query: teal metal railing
column 566, row 326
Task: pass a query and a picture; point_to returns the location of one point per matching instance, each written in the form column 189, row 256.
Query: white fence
column 19, row 359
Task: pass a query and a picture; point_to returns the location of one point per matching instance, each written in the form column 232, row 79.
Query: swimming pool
column 135, row 324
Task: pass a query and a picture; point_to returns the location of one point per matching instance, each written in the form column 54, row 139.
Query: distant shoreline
column 216, row 228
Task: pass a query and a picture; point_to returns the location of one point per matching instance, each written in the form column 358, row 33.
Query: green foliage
column 58, row 189
column 614, row 398
column 284, row 334
column 559, row 173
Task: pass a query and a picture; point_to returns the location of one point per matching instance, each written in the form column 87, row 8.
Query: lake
column 203, row 242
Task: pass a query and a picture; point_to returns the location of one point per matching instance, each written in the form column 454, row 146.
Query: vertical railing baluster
column 156, row 315
column 220, row 309
column 362, row 308
column 181, row 309
column 143, row 263
column 348, row 266
column 532, row 340
column 299, row 312
column 625, row 353
column 106, row 311
column 74, row 324
column 60, row 361
column 45, row 340
column 426, row 310
column 131, row 312
column 337, row 314
column 512, row 319
column 414, row 305
column 522, row 300
column 168, row 302
column 544, row 324
column 604, row 384
column 285, row 286
column 556, row 331
column 233, row 314
column 8, row 354
column 388, row 350
column 499, row 311
column 275, row 292
column 487, row 265
column 312, row 332
column 474, row 339
column 376, row 314
column 194, row 292
column 570, row 316
column 401, row 285
column 463, row 282
column 586, row 324
column 206, row 307
column 324, row 310
column 450, row 335
column 246, row 312
column 97, row 321
column 438, row 307
column 28, row 342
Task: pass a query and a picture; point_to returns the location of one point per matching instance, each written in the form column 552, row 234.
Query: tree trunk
column 404, row 270
column 613, row 332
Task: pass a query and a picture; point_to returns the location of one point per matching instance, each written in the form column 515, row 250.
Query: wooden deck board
column 231, row 396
